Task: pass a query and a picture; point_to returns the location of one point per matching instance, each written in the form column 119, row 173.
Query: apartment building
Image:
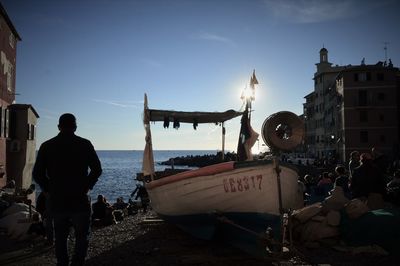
column 352, row 108
column 17, row 121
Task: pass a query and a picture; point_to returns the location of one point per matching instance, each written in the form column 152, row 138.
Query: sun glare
column 247, row 93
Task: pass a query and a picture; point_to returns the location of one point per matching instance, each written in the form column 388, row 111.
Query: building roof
column 309, row 95
column 9, row 23
column 23, row 106
column 377, row 66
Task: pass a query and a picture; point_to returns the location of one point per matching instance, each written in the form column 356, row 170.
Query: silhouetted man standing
column 66, row 168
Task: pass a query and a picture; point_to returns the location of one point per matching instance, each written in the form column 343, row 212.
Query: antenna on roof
column 385, row 48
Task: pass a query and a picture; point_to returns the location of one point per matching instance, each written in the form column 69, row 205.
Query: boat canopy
column 191, row 117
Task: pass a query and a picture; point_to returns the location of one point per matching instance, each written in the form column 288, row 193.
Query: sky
column 97, row 59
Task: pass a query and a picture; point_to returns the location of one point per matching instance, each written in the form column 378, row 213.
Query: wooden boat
column 241, row 202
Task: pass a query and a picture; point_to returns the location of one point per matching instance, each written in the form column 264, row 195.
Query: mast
column 223, row 141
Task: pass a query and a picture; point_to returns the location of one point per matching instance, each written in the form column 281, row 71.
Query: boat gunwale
column 211, row 170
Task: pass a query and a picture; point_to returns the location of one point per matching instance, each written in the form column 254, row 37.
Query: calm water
column 120, row 168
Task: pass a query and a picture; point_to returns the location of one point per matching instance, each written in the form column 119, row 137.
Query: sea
column 120, row 168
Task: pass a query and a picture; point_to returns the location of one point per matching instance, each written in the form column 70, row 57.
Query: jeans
column 80, row 221
column 48, row 222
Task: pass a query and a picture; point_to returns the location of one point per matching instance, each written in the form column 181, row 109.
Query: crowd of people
column 366, row 175
column 67, row 167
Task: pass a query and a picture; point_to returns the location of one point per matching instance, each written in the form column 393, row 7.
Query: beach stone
column 306, row 213
column 355, row 208
column 314, row 231
column 16, row 207
column 17, row 225
column 337, row 200
column 333, row 218
column 318, row 218
column 372, row 249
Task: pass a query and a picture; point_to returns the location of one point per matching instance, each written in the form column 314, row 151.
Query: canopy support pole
column 223, row 141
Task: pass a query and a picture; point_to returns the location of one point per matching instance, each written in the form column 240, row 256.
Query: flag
column 253, row 79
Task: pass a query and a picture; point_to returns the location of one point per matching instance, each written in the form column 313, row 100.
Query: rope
column 260, row 236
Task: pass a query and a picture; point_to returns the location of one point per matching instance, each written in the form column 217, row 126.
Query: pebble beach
column 144, row 239
column 141, row 239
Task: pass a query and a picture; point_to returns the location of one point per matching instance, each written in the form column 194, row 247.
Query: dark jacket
column 367, row 178
column 62, row 169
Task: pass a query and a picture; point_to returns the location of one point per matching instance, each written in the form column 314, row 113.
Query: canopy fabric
column 191, row 117
column 148, row 158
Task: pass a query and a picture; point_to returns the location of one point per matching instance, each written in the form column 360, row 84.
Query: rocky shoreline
column 143, row 239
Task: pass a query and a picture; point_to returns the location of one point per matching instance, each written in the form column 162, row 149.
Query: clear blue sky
column 96, row 59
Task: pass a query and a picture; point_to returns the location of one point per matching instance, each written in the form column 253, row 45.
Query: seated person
column 393, row 189
column 143, row 195
column 102, row 212
column 325, row 184
column 120, row 209
column 342, row 180
column 120, row 204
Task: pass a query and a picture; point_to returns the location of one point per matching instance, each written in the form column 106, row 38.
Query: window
column 362, row 97
column 12, row 40
column 363, row 116
column 363, row 76
column 5, row 123
column 364, row 136
column 31, row 132
column 381, row 117
column 380, row 76
column 1, row 122
column 383, row 138
column 10, row 74
column 381, row 96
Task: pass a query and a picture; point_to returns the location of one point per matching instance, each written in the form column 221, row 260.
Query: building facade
column 8, row 51
column 352, row 108
column 17, row 121
column 368, row 109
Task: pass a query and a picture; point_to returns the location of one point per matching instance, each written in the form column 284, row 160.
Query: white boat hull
column 252, row 189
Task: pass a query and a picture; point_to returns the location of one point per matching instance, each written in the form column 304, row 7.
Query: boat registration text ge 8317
column 242, row 183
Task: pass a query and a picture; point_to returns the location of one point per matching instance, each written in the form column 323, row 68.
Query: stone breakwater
column 200, row 160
